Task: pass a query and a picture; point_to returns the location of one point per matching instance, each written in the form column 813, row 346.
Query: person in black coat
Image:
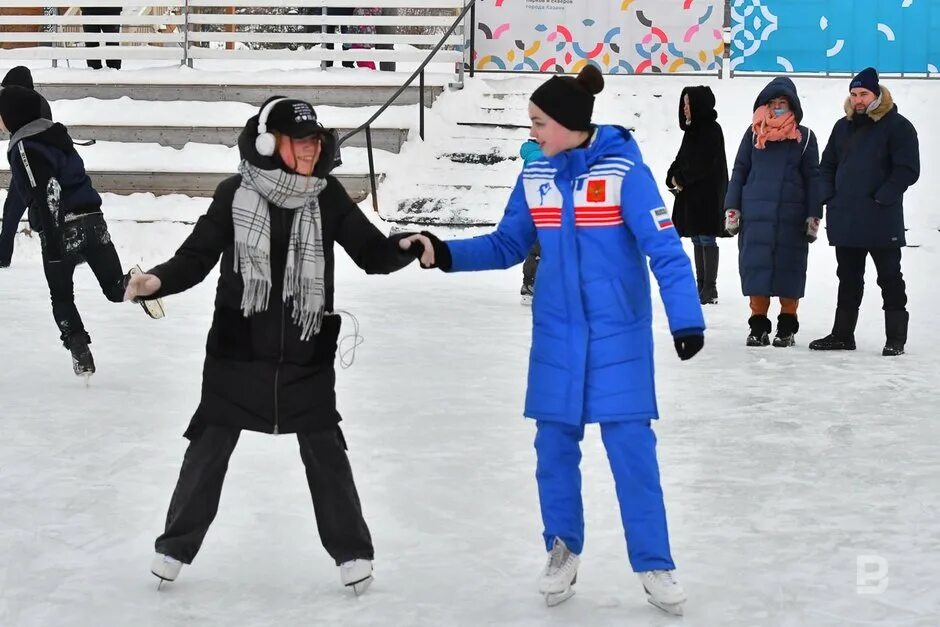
column 698, row 178
column 270, row 351
column 95, row 64
column 14, row 207
column 872, row 157
column 774, row 198
column 49, row 178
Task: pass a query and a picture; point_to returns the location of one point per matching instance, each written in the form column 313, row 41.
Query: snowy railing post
column 186, row 60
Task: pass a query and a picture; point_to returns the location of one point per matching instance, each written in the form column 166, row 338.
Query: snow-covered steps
column 452, row 206
column 179, row 123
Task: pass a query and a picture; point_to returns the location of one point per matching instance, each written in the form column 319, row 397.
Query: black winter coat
column 258, row 374
column 700, row 169
column 868, row 164
column 776, row 189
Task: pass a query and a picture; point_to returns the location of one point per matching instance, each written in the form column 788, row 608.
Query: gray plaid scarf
column 303, row 276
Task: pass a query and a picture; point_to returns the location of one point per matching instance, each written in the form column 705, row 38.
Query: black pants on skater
column 342, row 12
column 529, row 267
column 851, row 273
column 343, row 530
column 95, row 64
column 85, row 239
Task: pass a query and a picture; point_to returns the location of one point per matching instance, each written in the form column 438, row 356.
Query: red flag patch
column 597, row 191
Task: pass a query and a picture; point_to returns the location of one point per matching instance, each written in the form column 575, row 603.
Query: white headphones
column 265, row 143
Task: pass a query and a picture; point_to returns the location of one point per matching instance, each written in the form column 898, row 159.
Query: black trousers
column 13, row 210
column 851, row 273
column 531, row 265
column 195, row 502
column 83, row 240
column 333, row 29
column 95, row 64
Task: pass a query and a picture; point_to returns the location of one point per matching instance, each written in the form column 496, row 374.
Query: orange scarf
column 768, row 128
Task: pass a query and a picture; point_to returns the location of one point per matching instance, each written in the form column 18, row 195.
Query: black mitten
column 688, row 345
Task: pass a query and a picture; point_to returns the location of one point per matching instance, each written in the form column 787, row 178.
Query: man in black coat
column 14, row 207
column 873, row 156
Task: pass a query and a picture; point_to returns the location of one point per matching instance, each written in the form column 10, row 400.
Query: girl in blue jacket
column 595, row 209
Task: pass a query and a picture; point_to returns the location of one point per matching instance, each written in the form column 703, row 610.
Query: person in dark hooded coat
column 774, row 198
column 698, row 178
column 270, row 351
column 49, row 177
column 14, row 207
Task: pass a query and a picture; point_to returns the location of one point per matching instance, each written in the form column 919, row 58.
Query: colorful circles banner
column 618, row 36
column 835, row 35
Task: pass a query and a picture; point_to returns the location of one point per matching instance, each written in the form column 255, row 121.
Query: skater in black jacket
column 49, row 177
column 270, row 351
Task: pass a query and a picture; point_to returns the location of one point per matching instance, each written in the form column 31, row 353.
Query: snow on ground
column 781, row 467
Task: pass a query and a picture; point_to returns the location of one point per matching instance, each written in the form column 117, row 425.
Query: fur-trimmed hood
column 883, row 109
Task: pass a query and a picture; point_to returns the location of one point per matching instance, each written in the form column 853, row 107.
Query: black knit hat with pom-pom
column 570, row 101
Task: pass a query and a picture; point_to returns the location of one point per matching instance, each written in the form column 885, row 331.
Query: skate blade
column 670, row 608
column 87, row 376
column 360, row 587
column 557, row 598
column 154, row 308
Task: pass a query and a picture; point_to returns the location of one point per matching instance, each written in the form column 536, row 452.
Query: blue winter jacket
column 776, row 189
column 598, row 215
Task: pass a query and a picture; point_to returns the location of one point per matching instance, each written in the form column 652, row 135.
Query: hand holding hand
column 428, row 249
column 812, row 229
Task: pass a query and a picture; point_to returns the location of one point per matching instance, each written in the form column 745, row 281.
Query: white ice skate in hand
column 663, row 590
column 356, row 574
column 559, row 575
column 165, row 568
column 153, row 308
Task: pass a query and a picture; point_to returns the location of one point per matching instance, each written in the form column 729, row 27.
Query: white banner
column 618, row 36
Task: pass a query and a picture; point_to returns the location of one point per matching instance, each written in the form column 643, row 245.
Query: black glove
column 688, row 345
column 442, row 258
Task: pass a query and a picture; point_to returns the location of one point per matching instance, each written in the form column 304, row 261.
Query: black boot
column 699, row 268
column 787, row 326
column 82, row 361
column 896, row 332
column 842, row 337
column 760, row 331
column 709, row 293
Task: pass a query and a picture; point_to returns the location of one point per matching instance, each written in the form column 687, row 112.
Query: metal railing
column 366, row 126
column 188, row 30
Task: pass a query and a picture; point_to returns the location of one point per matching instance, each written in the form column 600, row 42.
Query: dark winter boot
column 760, row 331
column 82, row 361
column 709, row 293
column 842, row 337
column 896, row 332
column 699, row 268
column 787, row 326
column 525, row 294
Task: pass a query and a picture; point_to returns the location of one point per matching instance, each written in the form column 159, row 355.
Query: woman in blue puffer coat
column 774, row 199
column 597, row 213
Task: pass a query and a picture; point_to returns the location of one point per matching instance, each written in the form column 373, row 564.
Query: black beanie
column 18, row 107
column 20, row 75
column 867, row 79
column 570, row 101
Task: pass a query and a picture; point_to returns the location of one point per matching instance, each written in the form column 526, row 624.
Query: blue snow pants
column 631, row 450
